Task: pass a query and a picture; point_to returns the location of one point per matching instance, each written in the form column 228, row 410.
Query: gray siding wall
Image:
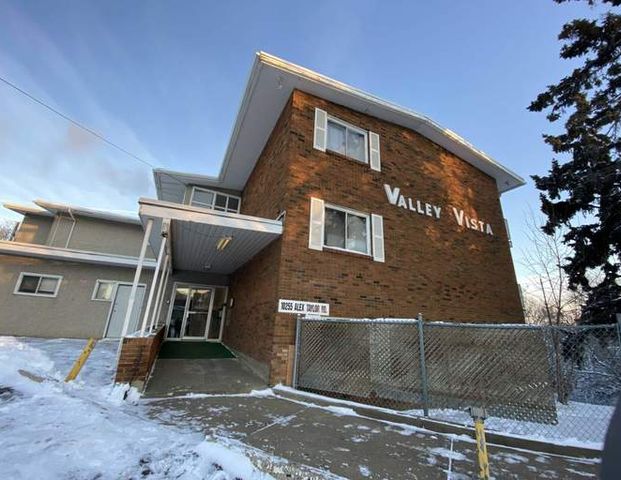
column 61, row 231
column 71, row 313
column 108, row 237
column 34, row 229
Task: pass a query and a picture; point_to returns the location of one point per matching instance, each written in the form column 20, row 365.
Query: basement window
column 346, row 230
column 223, row 202
column 347, row 140
column 37, row 284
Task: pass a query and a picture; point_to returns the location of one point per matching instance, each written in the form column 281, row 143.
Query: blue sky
column 164, row 80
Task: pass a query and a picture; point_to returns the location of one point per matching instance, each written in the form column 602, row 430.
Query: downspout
column 72, row 227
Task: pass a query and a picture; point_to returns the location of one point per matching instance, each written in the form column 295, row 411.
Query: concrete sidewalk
column 215, row 375
column 328, row 441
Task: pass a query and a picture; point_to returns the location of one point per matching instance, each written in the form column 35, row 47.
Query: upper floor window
column 347, row 140
column 201, row 197
column 37, row 284
column 332, row 134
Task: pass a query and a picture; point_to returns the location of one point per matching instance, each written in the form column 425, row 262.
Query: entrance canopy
column 206, row 240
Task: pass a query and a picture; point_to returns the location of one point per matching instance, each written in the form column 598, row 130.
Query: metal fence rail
column 544, row 381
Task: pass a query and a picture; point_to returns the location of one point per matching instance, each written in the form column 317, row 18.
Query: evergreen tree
column 582, row 190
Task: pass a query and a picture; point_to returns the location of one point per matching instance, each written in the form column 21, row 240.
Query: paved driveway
column 331, row 442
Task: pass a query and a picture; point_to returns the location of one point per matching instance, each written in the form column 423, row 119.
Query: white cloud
column 43, row 155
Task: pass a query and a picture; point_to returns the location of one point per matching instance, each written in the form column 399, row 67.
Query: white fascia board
column 27, row 209
column 70, row 255
column 86, row 212
column 411, row 116
column 188, row 213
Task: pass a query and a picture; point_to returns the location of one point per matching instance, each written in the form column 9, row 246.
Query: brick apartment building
column 332, row 201
column 352, row 203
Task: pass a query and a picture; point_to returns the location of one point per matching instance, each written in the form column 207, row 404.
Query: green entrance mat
column 194, row 350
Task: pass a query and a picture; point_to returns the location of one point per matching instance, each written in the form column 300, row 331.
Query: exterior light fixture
column 223, row 243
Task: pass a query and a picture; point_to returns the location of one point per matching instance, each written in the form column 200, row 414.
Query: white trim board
column 70, row 255
column 190, row 213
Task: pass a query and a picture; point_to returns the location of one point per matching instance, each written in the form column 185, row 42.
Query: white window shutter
column 315, row 235
column 377, row 227
column 374, row 152
column 321, row 130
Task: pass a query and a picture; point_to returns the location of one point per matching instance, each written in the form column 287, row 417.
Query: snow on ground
column 579, row 424
column 84, row 429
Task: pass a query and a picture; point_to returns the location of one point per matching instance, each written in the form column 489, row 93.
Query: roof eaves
column 55, row 207
column 310, row 75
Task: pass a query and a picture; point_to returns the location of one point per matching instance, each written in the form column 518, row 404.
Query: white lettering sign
column 303, row 308
column 396, row 198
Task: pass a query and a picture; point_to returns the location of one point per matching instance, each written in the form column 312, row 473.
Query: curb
column 493, row 438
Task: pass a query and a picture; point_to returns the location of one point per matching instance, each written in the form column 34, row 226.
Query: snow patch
column 445, row 452
column 364, row 470
column 87, row 429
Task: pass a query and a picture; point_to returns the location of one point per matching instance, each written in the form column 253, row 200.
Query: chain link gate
column 552, row 382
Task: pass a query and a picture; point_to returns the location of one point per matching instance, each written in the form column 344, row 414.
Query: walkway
column 338, row 442
column 205, row 369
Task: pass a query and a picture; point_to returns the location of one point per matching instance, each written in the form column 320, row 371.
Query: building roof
column 270, row 85
column 27, row 209
column 48, row 209
column 54, row 207
column 71, row 254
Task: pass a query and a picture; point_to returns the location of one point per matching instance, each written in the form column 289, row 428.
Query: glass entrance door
column 191, row 309
column 197, row 318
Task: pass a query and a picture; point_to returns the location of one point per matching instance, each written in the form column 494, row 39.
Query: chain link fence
column 558, row 383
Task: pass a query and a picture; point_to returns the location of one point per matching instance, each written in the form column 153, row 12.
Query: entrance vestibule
column 196, row 313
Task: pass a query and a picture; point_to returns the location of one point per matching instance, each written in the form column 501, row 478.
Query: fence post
column 423, row 368
column 562, row 393
column 296, row 357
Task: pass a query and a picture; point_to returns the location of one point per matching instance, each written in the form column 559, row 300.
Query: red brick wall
column 138, row 355
column 249, row 327
column 432, row 266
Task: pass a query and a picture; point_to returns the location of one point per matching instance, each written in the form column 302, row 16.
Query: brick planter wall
column 138, row 355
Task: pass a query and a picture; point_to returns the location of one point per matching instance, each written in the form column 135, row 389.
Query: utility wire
column 76, row 123
column 85, row 128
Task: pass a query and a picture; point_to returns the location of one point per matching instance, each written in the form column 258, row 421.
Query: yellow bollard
column 478, row 415
column 79, row 363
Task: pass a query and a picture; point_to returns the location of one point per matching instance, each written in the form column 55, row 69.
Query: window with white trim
column 338, row 228
column 347, row 140
column 346, row 230
column 223, row 202
column 104, row 290
column 37, row 284
column 335, row 135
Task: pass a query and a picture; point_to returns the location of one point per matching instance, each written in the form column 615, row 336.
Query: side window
column 37, row 284
column 222, row 202
column 104, row 290
column 344, row 229
column 332, row 134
